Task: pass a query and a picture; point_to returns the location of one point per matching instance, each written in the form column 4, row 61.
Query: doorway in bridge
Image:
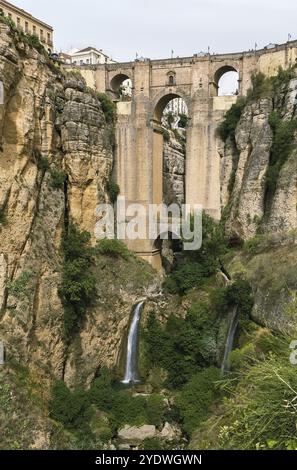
column 227, row 81
column 171, row 120
column 121, row 87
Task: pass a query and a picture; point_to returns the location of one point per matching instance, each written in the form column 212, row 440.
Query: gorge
column 66, row 298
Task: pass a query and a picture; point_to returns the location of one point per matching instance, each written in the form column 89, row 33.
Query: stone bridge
column 139, row 151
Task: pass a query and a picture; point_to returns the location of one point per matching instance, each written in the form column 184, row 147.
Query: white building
column 90, row 56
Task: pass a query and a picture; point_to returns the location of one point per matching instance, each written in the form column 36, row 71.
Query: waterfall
column 230, row 340
column 131, row 372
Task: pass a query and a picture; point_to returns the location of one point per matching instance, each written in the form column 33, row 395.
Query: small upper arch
column 226, row 80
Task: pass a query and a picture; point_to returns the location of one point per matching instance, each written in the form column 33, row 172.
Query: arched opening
column 121, row 86
column 170, row 140
column 226, row 81
column 169, row 249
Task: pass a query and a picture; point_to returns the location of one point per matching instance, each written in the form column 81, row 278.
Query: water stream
column 131, row 371
column 230, row 340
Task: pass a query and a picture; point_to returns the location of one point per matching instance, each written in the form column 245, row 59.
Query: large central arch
column 159, row 106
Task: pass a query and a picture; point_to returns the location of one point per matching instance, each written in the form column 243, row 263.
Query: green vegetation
column 113, row 248
column 18, row 288
column 31, row 40
column 74, row 408
column 282, row 146
column 108, row 108
column 2, row 217
column 113, row 190
column 182, row 347
column 227, row 128
column 77, row 289
column 183, row 121
column 260, row 412
column 194, row 268
column 57, row 178
column 239, row 294
column 196, row 398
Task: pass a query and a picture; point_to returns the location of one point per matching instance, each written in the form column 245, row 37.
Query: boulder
column 134, row 434
column 170, row 433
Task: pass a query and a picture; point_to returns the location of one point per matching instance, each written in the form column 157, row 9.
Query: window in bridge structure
column 228, row 83
column 122, row 87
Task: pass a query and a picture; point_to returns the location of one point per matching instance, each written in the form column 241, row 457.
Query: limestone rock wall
column 173, row 171
column 244, row 167
column 56, row 155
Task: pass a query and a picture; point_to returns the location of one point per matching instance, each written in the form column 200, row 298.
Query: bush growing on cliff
column 57, row 178
column 78, row 286
column 113, row 248
column 2, row 217
column 282, row 145
column 228, row 127
column 108, row 108
column 72, row 409
column 113, row 190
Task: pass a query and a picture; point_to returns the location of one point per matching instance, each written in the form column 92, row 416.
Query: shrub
column 227, row 128
column 282, row 145
column 2, row 217
column 261, row 87
column 113, row 190
column 183, row 121
column 57, row 178
column 113, row 248
column 42, row 162
column 108, row 108
column 77, row 289
column 18, row 288
column 239, row 294
column 69, row 408
column 196, row 398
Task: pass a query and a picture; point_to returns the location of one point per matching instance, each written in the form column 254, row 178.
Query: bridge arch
column 120, row 80
column 231, row 86
column 169, row 155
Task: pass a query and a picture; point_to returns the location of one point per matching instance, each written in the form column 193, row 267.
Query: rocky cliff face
column 261, row 158
column 174, row 171
column 55, row 160
column 244, row 170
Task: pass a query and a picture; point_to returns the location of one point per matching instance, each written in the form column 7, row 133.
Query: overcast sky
column 152, row 28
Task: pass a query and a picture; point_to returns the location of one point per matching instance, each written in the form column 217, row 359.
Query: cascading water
column 131, row 372
column 230, row 340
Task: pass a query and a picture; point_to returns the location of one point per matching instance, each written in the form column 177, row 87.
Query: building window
column 81, row 62
column 10, row 16
column 26, row 26
column 34, row 30
column 18, row 22
column 41, row 34
column 48, row 38
column 88, row 61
